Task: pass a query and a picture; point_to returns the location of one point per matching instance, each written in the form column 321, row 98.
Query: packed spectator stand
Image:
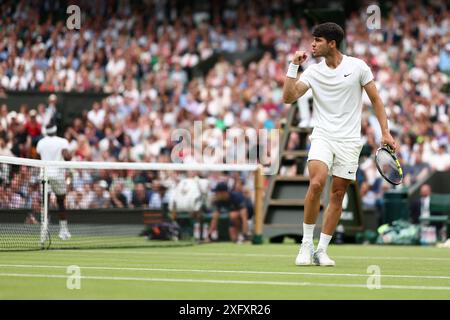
column 142, row 57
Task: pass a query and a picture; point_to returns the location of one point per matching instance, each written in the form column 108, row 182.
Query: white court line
column 246, row 282
column 224, row 271
column 262, row 255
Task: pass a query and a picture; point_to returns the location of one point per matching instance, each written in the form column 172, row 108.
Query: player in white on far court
column 54, row 148
column 336, row 83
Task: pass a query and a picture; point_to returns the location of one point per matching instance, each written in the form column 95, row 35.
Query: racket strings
column 388, row 166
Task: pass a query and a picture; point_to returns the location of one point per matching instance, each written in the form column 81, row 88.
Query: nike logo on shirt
column 346, row 75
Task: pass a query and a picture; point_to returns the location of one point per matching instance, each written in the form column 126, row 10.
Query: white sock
column 324, row 241
column 63, row 224
column 308, row 232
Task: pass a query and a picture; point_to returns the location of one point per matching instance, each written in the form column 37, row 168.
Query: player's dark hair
column 329, row 31
column 49, row 126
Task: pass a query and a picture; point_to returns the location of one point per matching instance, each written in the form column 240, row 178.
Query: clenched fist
column 299, row 57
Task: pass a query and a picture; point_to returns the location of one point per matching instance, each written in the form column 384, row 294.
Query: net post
column 44, row 211
column 259, row 187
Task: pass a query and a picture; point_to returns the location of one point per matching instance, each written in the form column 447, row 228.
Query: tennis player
column 336, row 82
column 54, row 148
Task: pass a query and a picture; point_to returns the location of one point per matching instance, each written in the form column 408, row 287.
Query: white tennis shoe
column 64, row 234
column 305, row 255
column 321, row 258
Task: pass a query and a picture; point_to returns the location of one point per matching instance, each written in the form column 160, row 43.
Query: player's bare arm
column 380, row 113
column 292, row 88
column 66, row 155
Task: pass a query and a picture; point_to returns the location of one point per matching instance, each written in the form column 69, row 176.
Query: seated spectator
column 118, row 198
column 369, row 197
column 441, row 160
column 89, row 193
column 125, row 153
column 5, row 149
column 420, row 209
column 96, row 115
column 140, row 197
column 101, row 197
column 417, row 171
column 76, row 200
column 190, row 58
column 16, row 201
column 84, row 150
column 157, row 195
column 4, row 195
column 109, row 143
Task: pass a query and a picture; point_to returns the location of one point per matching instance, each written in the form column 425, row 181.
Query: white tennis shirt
column 337, row 97
column 50, row 149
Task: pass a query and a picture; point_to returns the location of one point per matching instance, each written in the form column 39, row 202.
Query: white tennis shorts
column 58, row 185
column 341, row 157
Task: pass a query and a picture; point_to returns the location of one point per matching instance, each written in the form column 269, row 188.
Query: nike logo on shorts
column 351, row 172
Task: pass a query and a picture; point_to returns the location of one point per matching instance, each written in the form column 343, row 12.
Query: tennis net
column 75, row 204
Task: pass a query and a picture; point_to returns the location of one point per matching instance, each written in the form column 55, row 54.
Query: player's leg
column 343, row 170
column 59, row 187
column 62, row 214
column 333, row 212
column 318, row 173
column 234, row 225
column 320, row 158
column 64, row 233
column 330, row 220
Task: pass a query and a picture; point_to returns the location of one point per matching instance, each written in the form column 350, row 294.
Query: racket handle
column 388, row 147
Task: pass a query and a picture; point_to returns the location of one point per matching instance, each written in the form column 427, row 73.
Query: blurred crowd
column 143, row 56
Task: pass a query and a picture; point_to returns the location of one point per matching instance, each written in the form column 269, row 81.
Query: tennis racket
column 388, row 165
